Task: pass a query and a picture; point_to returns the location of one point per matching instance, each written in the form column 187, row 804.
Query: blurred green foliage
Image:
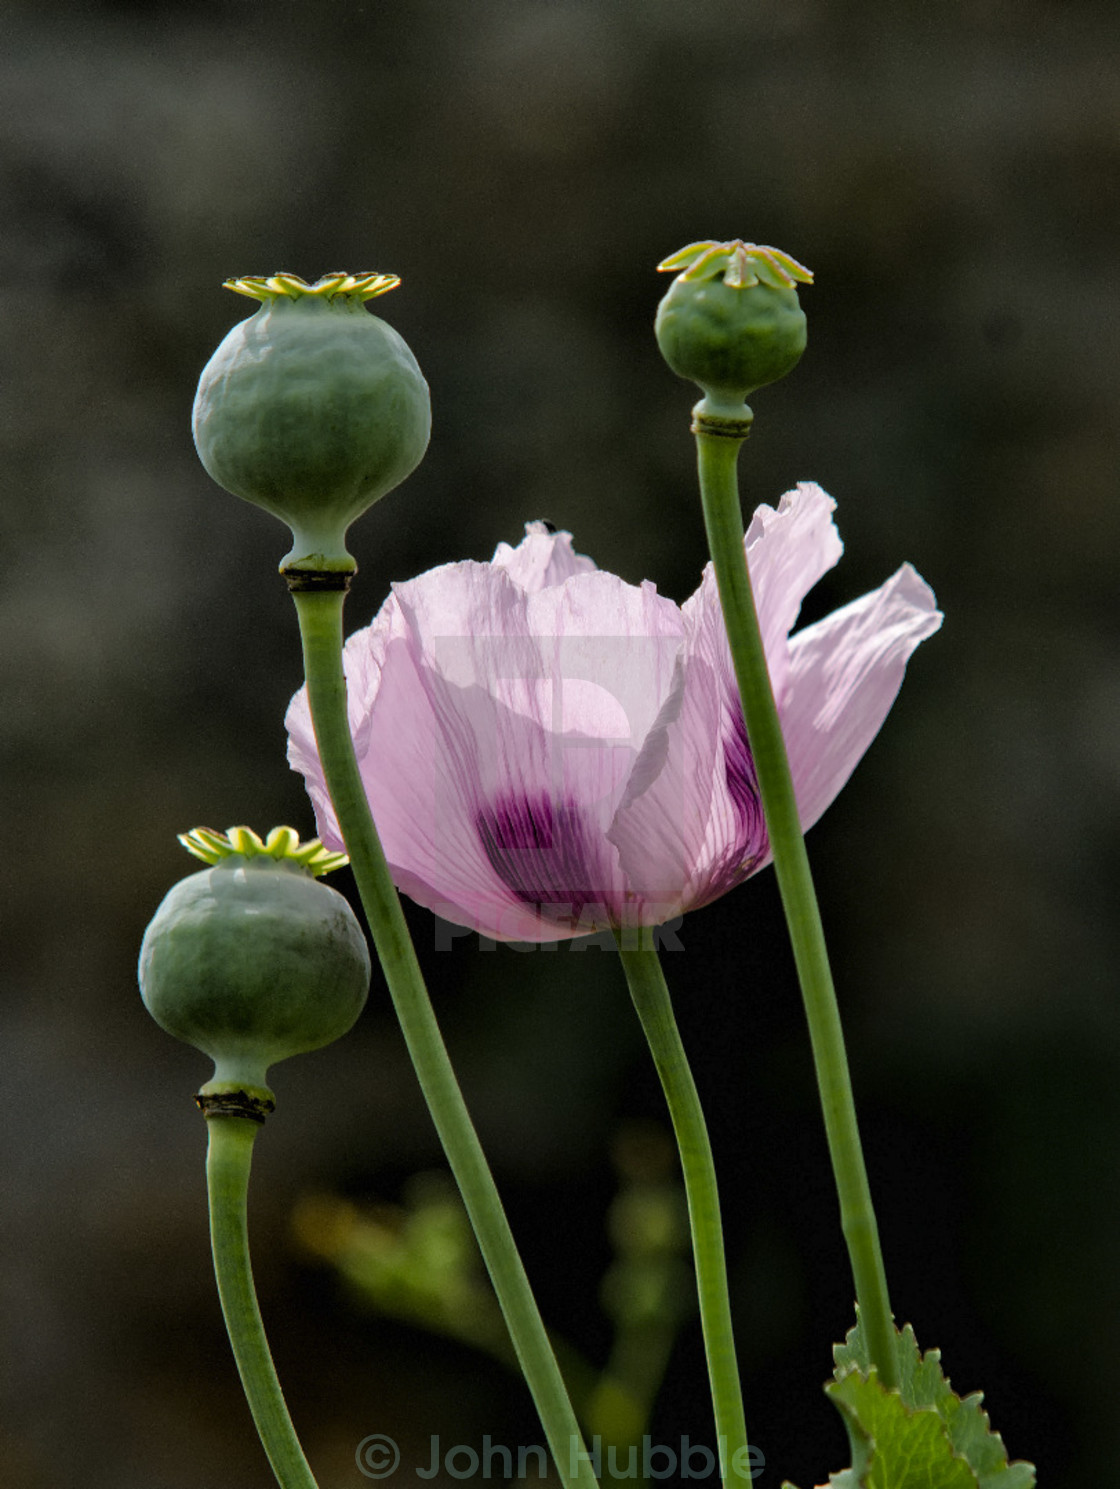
column 418, row 1262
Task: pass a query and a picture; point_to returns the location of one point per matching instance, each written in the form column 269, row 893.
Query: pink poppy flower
column 550, row 751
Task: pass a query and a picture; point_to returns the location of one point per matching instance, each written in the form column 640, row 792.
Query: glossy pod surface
column 730, row 341
column 252, row 962
column 313, row 409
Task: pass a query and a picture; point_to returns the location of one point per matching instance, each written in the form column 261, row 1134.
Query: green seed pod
column 731, row 321
column 251, row 960
column 312, row 409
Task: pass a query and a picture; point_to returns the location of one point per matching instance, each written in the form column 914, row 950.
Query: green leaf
column 894, row 1447
column 920, row 1436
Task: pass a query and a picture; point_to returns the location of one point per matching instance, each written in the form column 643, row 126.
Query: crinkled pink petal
column 412, row 780
column 438, row 824
column 543, row 701
column 667, row 828
column 548, row 750
column 541, row 559
column 845, row 672
column 499, row 726
column 788, row 551
column 695, row 802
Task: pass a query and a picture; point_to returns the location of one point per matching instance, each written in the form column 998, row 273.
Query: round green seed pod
column 312, row 409
column 731, row 321
column 252, row 960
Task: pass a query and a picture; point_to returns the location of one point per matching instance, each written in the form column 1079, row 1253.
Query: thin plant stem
column 320, row 621
column 717, row 459
column 228, row 1160
column 655, row 1010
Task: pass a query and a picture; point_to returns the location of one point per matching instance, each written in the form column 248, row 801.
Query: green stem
column 227, row 1180
column 717, row 457
column 655, row 1010
column 320, row 621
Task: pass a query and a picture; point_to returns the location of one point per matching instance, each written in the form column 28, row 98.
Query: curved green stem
column 655, row 1010
column 320, row 620
column 717, row 458
column 227, row 1180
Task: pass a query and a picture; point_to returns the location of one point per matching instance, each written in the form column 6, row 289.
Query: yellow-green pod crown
column 312, row 409
column 731, row 320
column 251, row 959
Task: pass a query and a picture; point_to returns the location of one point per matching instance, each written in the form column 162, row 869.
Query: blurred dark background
column 950, row 172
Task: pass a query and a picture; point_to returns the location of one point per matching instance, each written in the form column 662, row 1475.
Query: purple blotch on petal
column 752, row 844
column 541, row 852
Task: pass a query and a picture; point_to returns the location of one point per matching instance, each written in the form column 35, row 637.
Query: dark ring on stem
column 723, row 428
column 300, row 581
column 235, row 1104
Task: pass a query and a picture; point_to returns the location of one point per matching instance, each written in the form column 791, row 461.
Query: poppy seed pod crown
column 312, row 409
column 731, row 320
